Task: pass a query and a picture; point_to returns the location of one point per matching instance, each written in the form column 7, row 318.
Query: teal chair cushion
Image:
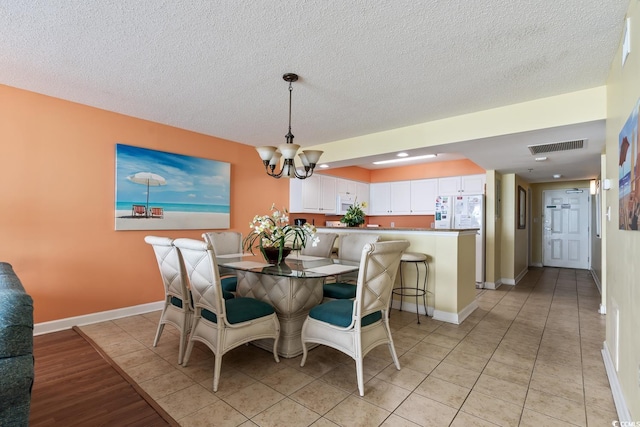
column 339, row 290
column 340, row 312
column 229, row 284
column 241, row 310
column 178, row 302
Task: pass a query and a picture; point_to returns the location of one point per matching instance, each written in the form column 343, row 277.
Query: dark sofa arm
column 16, row 349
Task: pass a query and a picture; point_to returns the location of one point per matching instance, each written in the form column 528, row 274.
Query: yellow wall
column 521, row 246
column 57, row 217
column 514, row 242
column 623, row 247
column 493, row 227
column 570, row 108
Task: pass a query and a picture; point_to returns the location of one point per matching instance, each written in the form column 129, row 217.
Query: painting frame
column 160, row 190
column 522, row 208
column 629, row 173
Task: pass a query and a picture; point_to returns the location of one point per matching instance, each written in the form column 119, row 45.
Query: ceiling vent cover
column 557, row 146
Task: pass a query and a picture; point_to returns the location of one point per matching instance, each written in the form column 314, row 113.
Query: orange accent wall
column 57, row 169
column 350, row 172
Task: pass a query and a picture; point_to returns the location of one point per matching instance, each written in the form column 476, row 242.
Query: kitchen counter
column 451, row 260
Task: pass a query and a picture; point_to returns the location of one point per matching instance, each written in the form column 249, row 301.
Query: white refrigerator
column 462, row 212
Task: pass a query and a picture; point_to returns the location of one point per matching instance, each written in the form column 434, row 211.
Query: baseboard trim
column 596, row 279
column 537, row 264
column 411, row 307
column 455, row 318
column 103, row 316
column 616, row 390
column 492, row 285
column 521, row 275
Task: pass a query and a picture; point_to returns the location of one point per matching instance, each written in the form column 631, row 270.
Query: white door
column 566, row 228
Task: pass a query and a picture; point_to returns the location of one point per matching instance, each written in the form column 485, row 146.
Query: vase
column 272, row 254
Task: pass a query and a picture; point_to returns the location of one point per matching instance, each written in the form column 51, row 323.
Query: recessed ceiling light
column 557, row 175
column 324, row 165
column 541, row 159
column 405, row 159
column 403, row 154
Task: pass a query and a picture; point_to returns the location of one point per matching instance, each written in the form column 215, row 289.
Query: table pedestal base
column 292, row 298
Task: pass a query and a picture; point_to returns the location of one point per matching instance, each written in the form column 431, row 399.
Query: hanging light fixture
column 271, row 155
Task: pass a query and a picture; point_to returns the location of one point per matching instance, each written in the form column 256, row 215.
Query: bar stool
column 416, row 291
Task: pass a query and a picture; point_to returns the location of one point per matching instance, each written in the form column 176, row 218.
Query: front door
column 566, row 228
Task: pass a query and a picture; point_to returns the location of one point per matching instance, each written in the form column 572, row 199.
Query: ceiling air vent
column 557, row 146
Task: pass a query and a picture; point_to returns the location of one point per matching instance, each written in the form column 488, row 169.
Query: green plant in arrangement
column 355, row 215
column 271, row 233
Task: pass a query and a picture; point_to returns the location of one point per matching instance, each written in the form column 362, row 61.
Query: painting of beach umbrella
column 150, row 180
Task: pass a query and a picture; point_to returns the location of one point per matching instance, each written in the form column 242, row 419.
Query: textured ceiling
column 365, row 66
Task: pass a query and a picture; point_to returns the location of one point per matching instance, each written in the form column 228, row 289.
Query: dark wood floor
column 75, row 386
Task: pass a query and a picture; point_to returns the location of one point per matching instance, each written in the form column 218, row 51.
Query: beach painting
column 629, row 173
column 157, row 190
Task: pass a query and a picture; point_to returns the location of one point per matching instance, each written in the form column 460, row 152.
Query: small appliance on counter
column 334, row 224
column 299, row 221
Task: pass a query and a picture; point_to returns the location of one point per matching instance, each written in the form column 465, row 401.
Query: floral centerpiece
column 275, row 237
column 355, row 215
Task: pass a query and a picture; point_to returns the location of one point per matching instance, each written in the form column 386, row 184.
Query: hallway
column 528, row 356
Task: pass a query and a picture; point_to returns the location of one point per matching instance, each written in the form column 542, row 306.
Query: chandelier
column 271, row 155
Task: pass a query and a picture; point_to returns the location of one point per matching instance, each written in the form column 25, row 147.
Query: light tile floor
column 528, row 356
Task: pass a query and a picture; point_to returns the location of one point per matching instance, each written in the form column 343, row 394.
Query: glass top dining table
column 295, row 265
column 293, row 287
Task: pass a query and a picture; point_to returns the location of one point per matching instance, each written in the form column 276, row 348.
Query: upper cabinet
column 423, row 196
column 316, row 194
column 390, row 198
column 362, row 195
column 456, row 185
column 346, row 186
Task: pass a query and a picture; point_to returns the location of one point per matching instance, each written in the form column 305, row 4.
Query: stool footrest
column 409, row 292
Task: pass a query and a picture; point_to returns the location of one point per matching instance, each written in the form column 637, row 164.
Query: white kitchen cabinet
column 449, row 186
column 379, row 198
column 362, row 195
column 390, row 198
column 346, row 186
column 328, row 199
column 466, row 184
column 423, row 196
column 473, row 184
column 316, row 194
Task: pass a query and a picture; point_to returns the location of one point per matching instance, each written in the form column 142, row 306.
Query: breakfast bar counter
column 451, row 259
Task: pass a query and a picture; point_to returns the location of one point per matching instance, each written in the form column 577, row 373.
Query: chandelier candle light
column 271, row 155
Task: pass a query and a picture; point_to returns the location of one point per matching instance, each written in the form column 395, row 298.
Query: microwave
column 345, row 200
